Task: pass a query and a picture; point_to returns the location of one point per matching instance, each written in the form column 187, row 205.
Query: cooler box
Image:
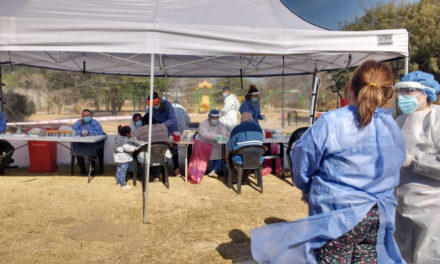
column 42, row 156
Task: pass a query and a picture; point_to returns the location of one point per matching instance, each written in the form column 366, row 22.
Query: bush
column 17, row 106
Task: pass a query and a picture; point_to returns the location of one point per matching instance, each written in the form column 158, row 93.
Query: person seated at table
column 87, row 126
column 6, row 149
column 247, row 133
column 163, row 113
column 212, row 130
column 135, row 123
column 251, row 104
column 159, row 133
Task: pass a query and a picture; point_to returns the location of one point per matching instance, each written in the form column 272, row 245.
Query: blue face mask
column 224, row 95
column 408, row 104
column 157, row 106
column 254, row 99
column 214, row 122
column 138, row 123
column 87, row 119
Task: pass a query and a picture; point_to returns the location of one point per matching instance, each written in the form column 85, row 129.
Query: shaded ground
column 62, row 219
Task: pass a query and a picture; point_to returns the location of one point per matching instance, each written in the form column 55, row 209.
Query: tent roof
column 194, row 38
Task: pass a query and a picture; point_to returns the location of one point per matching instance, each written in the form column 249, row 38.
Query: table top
column 222, row 142
column 23, row 137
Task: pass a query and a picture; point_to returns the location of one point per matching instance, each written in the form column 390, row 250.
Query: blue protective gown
column 253, row 108
column 346, row 170
column 93, row 129
column 167, row 117
column 2, row 123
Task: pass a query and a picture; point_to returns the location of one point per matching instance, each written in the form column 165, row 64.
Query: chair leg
column 100, row 155
column 135, row 171
column 72, row 165
column 260, row 179
column 240, row 178
column 165, row 175
column 230, row 175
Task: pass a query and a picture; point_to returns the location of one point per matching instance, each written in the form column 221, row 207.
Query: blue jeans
column 120, row 173
column 215, row 165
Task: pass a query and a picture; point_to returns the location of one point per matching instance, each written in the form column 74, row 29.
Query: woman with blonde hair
column 347, row 167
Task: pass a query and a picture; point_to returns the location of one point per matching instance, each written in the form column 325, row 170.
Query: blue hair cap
column 213, row 113
column 426, row 79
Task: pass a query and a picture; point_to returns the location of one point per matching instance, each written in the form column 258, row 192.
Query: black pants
column 175, row 154
column 6, row 147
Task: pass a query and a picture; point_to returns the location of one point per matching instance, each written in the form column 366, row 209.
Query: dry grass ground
column 56, row 218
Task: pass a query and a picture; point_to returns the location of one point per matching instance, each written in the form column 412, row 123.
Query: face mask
column 224, row 95
column 139, row 123
column 157, row 106
column 87, row 119
column 408, row 104
column 254, row 99
column 214, row 122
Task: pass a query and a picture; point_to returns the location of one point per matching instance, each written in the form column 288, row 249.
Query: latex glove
column 217, row 138
column 84, row 133
column 408, row 161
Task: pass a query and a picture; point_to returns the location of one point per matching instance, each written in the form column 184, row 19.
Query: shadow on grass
column 238, row 249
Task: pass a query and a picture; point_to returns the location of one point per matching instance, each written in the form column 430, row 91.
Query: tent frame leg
column 314, row 98
column 150, row 123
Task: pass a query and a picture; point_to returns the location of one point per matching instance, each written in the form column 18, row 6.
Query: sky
column 327, row 13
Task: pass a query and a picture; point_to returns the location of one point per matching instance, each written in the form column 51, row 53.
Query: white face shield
column 410, row 88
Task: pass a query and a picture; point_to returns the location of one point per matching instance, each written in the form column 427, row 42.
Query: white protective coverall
column 229, row 113
column 208, row 133
column 418, row 211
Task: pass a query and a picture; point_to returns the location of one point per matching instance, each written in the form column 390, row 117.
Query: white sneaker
column 126, row 187
column 213, row 174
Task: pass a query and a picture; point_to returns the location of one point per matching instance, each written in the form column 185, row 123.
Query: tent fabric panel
column 244, row 13
column 189, row 66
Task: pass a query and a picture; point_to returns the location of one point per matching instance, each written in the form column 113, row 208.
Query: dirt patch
column 63, row 219
column 97, row 230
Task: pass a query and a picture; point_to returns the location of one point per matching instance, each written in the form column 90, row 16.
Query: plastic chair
column 293, row 138
column 251, row 161
column 158, row 150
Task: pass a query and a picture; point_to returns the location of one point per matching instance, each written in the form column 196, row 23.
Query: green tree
column 17, row 106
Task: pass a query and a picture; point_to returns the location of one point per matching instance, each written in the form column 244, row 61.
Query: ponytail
column 369, row 98
column 372, row 84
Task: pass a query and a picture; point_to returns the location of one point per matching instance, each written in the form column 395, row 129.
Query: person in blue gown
column 87, row 126
column 347, row 167
column 6, row 149
column 251, row 104
column 163, row 113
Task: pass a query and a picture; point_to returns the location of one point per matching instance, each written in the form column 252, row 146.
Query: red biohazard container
column 268, row 134
column 176, row 137
column 42, row 156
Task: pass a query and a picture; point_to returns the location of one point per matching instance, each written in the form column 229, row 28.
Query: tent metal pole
column 166, row 86
column 1, row 88
column 406, row 64
column 150, row 123
column 314, row 94
column 283, row 100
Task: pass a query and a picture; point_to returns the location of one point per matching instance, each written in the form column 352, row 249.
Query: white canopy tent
column 188, row 38
column 194, row 37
